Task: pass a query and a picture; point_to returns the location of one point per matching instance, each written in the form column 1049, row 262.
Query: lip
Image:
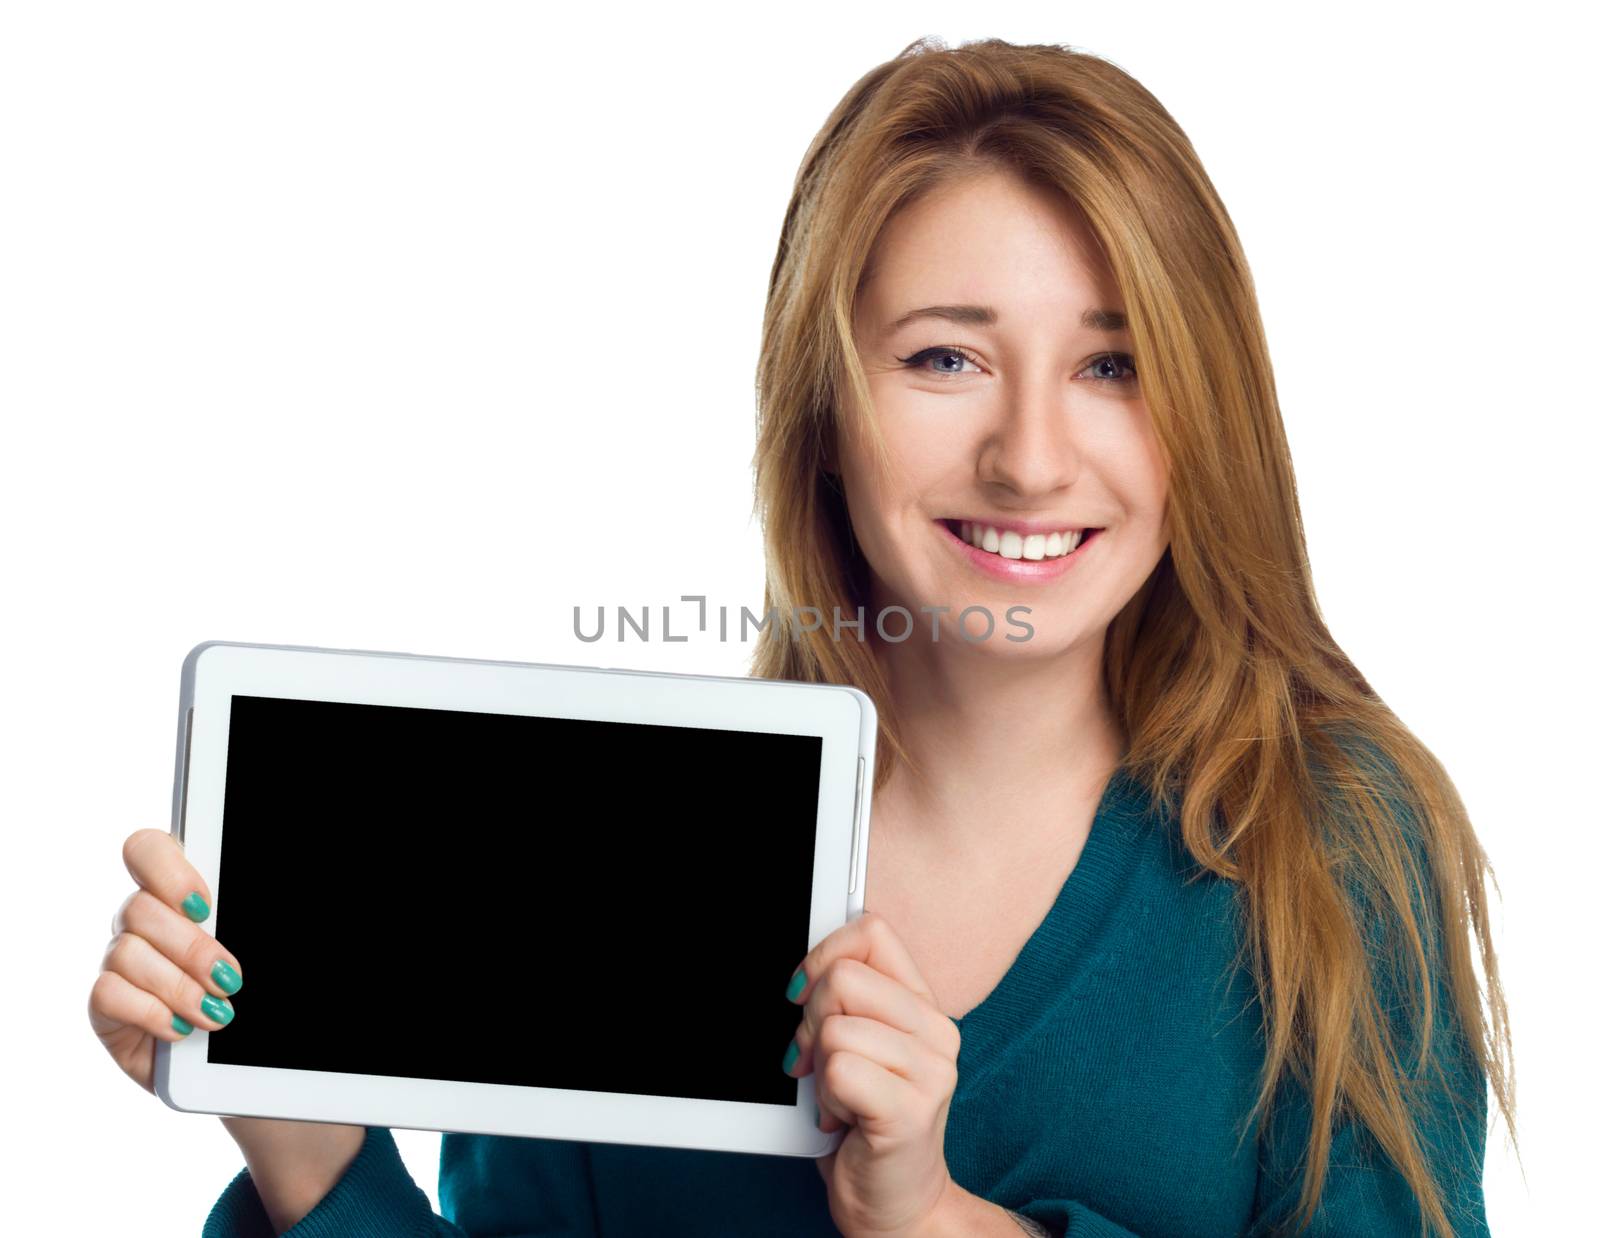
column 1013, row 571
column 1024, row 527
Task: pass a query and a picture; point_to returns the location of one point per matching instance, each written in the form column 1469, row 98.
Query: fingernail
column 181, row 1025
column 790, row 1055
column 228, row 980
column 217, row 1009
column 797, row 985
column 195, row 907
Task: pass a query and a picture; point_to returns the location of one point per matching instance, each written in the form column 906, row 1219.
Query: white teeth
column 1009, row 544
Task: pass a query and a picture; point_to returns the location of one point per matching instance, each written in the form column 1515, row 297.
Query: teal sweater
column 1100, row 1084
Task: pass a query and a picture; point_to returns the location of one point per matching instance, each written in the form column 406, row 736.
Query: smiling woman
column 1171, row 923
column 1009, row 305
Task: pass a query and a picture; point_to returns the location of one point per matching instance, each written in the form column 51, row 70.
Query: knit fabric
column 1102, row 1089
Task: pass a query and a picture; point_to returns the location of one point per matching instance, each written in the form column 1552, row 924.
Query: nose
column 1032, row 451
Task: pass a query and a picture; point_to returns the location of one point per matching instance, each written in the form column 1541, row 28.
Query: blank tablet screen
column 443, row 894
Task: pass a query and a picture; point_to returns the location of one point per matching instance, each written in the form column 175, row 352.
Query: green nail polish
column 228, row 980
column 797, row 985
column 195, row 907
column 791, row 1056
column 217, row 1009
column 181, row 1025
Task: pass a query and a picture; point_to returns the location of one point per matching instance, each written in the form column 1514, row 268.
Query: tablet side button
column 188, row 748
column 855, row 822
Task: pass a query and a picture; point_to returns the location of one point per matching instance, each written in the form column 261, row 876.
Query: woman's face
column 991, row 333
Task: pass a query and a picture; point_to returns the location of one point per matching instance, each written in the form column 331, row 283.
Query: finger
column 142, row 965
column 868, row 938
column 853, row 987
column 932, row 1077
column 853, row 1090
column 115, row 1002
column 156, row 862
column 875, row 1041
column 194, row 950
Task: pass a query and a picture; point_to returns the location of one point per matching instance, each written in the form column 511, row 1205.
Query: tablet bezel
column 214, row 671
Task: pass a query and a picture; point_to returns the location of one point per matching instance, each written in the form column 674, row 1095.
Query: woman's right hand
column 162, row 975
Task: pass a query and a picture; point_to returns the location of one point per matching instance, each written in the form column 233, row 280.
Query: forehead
column 989, row 238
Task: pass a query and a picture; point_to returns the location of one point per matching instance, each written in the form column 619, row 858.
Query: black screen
column 492, row 898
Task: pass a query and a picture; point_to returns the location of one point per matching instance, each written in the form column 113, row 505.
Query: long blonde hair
column 1295, row 780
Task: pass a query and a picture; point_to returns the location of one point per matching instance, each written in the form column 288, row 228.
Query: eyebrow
column 986, row 316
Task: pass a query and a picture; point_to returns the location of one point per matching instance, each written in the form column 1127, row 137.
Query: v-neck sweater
column 1101, row 1089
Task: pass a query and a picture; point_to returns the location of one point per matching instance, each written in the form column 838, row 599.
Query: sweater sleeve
column 375, row 1198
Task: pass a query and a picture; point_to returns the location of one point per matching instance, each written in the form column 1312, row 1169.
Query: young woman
column 1171, row 921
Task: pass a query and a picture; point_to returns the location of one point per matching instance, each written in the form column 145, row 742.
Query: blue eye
column 1114, row 361
column 916, row 361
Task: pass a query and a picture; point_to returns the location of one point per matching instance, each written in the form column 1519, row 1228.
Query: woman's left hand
column 885, row 1059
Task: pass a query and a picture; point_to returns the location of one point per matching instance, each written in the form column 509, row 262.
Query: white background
column 410, row 327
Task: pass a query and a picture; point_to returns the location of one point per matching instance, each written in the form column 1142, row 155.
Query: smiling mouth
column 1009, row 544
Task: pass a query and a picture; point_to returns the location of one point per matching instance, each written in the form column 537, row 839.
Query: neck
column 1009, row 750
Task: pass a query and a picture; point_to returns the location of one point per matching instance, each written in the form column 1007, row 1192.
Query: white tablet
column 515, row 899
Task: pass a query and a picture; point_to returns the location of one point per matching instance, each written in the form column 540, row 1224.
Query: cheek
column 865, row 508
column 1141, row 470
column 1153, row 486
column 867, row 504
column 919, row 461
column 1155, row 458
column 932, row 431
